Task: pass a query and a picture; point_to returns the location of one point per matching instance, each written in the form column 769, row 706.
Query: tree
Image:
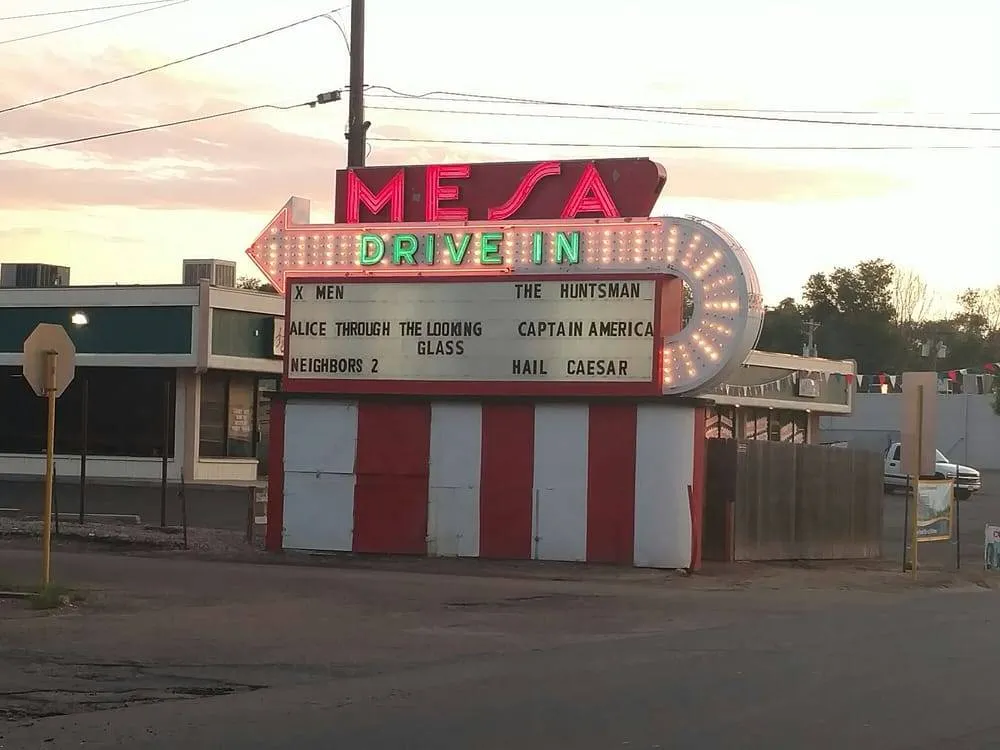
column 980, row 309
column 911, row 297
column 856, row 314
column 782, row 331
column 254, row 284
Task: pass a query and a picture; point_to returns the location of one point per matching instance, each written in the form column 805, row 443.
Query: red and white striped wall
column 600, row 482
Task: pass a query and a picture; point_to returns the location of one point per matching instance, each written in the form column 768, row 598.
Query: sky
column 129, row 209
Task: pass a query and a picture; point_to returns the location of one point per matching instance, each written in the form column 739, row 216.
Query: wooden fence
column 787, row 501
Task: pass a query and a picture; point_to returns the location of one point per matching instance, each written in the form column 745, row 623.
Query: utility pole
column 356, row 125
column 809, row 329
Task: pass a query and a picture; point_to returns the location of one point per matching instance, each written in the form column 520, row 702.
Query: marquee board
column 538, row 335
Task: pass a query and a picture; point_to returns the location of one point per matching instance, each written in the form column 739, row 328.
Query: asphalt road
column 207, row 507
column 179, row 653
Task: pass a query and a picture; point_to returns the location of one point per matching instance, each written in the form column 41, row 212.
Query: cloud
column 30, row 235
column 713, row 179
column 250, row 162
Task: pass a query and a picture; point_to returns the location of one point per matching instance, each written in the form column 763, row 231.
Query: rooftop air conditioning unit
column 215, row 272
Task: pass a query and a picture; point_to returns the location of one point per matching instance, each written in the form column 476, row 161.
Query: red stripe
column 275, row 477
column 391, row 493
column 611, row 483
column 697, row 493
column 506, row 481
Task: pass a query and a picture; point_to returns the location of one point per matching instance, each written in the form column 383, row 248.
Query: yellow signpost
column 48, row 365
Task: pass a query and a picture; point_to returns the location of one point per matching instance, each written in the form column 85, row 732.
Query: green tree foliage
column 254, row 284
column 783, row 326
column 881, row 317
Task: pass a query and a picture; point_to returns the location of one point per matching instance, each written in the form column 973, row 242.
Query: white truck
column 968, row 481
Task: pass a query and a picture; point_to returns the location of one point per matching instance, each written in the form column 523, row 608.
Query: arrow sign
column 291, row 245
column 290, row 229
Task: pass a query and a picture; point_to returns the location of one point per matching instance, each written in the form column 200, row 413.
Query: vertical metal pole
column 84, row 430
column 184, row 510
column 165, row 450
column 916, row 491
column 906, row 520
column 51, row 360
column 958, row 513
column 356, row 100
column 957, row 531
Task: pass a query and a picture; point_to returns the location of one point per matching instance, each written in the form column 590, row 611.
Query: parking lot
column 972, row 516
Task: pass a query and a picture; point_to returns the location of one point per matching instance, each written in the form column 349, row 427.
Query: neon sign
column 607, row 188
column 486, row 248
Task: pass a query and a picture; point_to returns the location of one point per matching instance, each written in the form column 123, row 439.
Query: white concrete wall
column 968, row 431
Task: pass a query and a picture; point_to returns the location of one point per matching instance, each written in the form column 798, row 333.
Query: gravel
column 213, row 542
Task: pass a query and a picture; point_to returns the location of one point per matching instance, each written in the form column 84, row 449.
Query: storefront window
column 126, row 407
column 712, row 423
column 792, row 426
column 719, row 423
column 755, row 424
column 727, row 422
column 227, row 415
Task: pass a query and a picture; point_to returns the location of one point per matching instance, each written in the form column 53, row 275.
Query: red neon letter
column 358, row 193
column 589, row 196
column 436, row 192
column 528, row 183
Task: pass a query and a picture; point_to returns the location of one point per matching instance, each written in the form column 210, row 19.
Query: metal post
column 84, row 429
column 906, row 520
column 184, row 509
column 957, row 531
column 51, row 360
column 356, row 125
column 251, row 514
column 167, row 416
column 958, row 513
column 916, row 492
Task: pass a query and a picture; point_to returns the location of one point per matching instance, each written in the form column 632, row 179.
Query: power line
column 608, row 118
column 684, row 112
column 92, row 9
column 465, row 98
column 50, row 32
column 156, row 68
column 533, row 115
column 680, row 146
column 321, row 99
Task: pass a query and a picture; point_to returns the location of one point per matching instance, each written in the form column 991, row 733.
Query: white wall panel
column 559, row 523
column 456, row 453
column 321, row 436
column 319, row 512
column 664, row 467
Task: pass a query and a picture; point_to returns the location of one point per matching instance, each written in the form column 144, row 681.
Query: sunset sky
column 128, row 209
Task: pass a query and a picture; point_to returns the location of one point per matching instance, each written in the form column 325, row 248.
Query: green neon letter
column 371, row 250
column 567, row 247
column 536, row 248
column 429, row 242
column 457, row 253
column 489, row 249
column 403, row 248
